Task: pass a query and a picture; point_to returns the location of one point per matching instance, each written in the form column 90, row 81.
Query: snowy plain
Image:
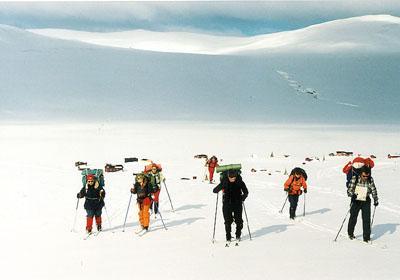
column 40, row 182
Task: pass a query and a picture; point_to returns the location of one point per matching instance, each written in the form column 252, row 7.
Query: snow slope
column 39, row 184
column 50, row 79
column 371, row 33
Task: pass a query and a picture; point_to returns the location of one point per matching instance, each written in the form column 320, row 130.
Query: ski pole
column 304, row 206
column 247, row 220
column 215, row 219
column 373, row 216
column 172, row 207
column 127, row 210
column 162, row 220
column 108, row 217
column 284, row 204
column 76, row 213
column 343, row 222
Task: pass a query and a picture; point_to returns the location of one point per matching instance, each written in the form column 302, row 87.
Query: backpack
column 355, row 172
column 224, row 169
column 299, row 170
column 98, row 173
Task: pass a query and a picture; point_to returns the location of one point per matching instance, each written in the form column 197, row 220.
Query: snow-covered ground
column 376, row 33
column 40, row 181
column 45, row 78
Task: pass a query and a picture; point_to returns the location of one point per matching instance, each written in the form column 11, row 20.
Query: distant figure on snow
column 212, row 163
column 235, row 192
column 292, row 186
column 359, row 189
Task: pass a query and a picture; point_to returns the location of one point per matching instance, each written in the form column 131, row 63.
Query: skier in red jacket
column 212, row 163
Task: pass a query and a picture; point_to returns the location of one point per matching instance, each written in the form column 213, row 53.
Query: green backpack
column 98, row 173
column 223, row 169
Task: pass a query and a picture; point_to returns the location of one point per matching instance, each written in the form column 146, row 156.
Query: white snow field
column 377, row 33
column 39, row 185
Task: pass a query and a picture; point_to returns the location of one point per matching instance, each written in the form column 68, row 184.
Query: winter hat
column 358, row 162
column 90, row 177
column 232, row 173
column 365, row 169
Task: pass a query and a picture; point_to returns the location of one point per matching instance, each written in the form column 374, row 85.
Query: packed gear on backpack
column 225, row 169
column 352, row 168
column 97, row 173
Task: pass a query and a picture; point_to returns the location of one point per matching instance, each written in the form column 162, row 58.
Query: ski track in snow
column 307, row 91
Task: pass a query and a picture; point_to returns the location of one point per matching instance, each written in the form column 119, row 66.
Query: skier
column 212, row 163
column 94, row 201
column 293, row 186
column 353, row 168
column 359, row 189
column 234, row 193
column 144, row 197
column 155, row 179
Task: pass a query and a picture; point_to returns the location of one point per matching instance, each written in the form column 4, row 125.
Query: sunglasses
column 90, row 181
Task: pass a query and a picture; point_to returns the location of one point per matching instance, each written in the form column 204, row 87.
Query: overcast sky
column 234, row 18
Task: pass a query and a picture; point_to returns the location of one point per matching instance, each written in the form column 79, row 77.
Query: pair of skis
column 88, row 235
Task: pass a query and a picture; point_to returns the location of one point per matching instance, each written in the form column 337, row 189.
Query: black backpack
column 299, row 171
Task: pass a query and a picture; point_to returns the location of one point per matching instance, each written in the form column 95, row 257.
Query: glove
column 305, row 190
column 376, row 203
column 353, row 197
column 78, row 195
column 244, row 197
column 132, row 190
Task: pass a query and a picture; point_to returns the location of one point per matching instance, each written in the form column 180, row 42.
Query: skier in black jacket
column 94, row 201
column 235, row 192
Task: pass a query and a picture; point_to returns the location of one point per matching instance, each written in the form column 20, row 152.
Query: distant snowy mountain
column 43, row 78
column 377, row 33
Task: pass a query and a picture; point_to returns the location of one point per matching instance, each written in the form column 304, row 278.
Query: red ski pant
column 211, row 171
column 89, row 222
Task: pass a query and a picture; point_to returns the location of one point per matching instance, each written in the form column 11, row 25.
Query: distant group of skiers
column 147, row 187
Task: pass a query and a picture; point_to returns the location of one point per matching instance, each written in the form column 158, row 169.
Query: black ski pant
column 293, row 199
column 365, row 207
column 154, row 206
column 232, row 213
